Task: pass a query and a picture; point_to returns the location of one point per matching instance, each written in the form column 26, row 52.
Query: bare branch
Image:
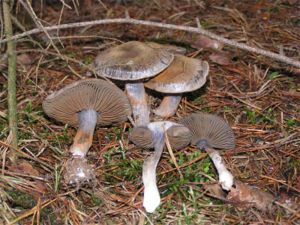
column 197, row 30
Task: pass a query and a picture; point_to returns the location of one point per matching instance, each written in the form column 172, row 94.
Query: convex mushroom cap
column 110, row 103
column 133, row 60
column 183, row 75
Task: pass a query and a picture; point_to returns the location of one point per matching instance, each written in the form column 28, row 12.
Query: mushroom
column 153, row 136
column 132, row 62
column 183, row 75
column 210, row 132
column 86, row 103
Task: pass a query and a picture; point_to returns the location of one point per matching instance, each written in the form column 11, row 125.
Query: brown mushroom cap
column 107, row 100
column 133, row 60
column 211, row 129
column 142, row 137
column 183, row 75
column 179, row 137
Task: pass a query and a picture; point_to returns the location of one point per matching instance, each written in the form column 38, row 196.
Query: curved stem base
column 225, row 177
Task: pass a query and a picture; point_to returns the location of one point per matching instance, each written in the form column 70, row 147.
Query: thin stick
column 32, row 211
column 197, row 30
column 11, row 81
column 172, row 154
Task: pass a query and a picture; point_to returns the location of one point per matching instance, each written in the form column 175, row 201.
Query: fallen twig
column 197, row 30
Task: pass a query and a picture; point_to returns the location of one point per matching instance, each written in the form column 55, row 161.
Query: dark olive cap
column 133, row 60
column 105, row 98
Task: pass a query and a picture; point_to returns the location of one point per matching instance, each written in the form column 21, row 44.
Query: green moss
column 291, row 122
column 47, row 214
column 126, row 169
column 96, row 201
column 20, row 199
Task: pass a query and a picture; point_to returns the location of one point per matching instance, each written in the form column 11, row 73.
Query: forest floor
column 258, row 96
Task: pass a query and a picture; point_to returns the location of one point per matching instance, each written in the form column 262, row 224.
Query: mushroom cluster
column 157, row 67
column 136, row 65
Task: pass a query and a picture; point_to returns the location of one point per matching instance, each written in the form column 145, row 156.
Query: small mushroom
column 183, row 75
column 86, row 103
column 133, row 62
column 153, row 136
column 210, row 132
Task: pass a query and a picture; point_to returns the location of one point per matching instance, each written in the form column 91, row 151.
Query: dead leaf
column 246, row 196
column 292, row 2
column 298, row 182
column 206, row 42
column 25, row 59
column 221, row 58
column 215, row 190
column 24, row 167
column 265, row 16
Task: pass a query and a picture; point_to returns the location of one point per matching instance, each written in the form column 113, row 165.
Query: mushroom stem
column 87, row 120
column 151, row 194
column 225, row 177
column 138, row 100
column 168, row 106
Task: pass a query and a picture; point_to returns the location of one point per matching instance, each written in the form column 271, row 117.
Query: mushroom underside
column 210, row 132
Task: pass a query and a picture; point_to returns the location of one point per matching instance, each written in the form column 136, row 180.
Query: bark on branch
column 197, row 30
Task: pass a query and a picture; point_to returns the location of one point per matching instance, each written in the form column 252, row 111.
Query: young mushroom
column 133, row 62
column 210, row 132
column 183, row 75
column 84, row 104
column 153, row 136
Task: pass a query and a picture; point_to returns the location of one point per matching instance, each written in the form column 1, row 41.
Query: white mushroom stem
column 87, row 120
column 225, row 177
column 168, row 106
column 138, row 101
column 151, row 194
